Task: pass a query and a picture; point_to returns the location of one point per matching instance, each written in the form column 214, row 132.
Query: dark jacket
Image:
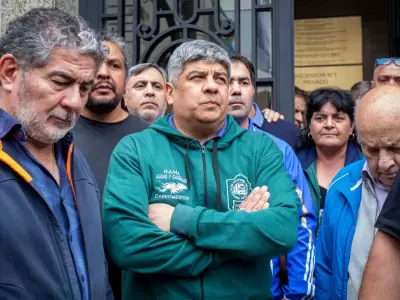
column 34, row 252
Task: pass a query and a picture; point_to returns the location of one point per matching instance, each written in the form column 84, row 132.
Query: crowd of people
column 105, row 195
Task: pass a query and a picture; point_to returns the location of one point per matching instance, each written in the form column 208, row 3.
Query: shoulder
column 348, row 176
column 81, row 167
column 284, row 130
column 136, row 124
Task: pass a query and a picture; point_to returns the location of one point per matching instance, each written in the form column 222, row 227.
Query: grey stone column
column 10, row 9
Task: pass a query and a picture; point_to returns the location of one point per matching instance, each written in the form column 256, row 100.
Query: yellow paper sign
column 328, row 41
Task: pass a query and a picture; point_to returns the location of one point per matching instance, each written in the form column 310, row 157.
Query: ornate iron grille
column 262, row 30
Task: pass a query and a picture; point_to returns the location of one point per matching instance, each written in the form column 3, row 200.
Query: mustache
column 66, row 116
column 106, row 84
column 235, row 99
column 149, row 100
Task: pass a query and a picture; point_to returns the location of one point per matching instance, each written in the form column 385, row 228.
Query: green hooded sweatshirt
column 213, row 251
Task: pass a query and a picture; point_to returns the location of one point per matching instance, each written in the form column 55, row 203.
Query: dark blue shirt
column 59, row 198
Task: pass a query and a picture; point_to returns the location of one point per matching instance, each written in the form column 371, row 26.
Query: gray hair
column 32, row 37
column 136, row 70
column 112, row 37
column 194, row 51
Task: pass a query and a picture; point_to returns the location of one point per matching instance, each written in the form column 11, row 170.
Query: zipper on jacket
column 203, row 156
column 201, row 288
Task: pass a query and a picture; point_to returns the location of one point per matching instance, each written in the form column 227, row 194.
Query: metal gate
column 261, row 30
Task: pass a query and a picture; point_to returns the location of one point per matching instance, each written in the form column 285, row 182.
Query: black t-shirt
column 389, row 219
column 96, row 140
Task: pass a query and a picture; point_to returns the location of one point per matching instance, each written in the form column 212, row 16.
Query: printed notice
column 312, row 78
column 328, row 41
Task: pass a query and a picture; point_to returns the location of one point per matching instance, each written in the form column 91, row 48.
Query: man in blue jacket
column 293, row 274
column 50, row 225
column 356, row 196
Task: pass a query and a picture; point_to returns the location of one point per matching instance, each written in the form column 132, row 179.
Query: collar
column 258, row 118
column 10, row 125
column 219, row 134
column 252, row 126
column 367, row 174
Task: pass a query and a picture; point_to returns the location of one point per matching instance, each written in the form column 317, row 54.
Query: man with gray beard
column 50, row 226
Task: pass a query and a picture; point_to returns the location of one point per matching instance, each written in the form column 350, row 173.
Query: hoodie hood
column 232, row 131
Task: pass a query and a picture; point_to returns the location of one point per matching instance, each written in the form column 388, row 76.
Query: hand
column 161, row 214
column 257, row 200
column 272, row 116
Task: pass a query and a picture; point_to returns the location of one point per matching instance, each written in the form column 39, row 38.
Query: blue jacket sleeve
column 276, row 282
column 300, row 261
column 324, row 252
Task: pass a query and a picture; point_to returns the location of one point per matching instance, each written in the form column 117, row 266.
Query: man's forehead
column 147, row 76
column 204, row 66
column 112, row 51
column 379, row 135
column 71, row 64
column 388, row 70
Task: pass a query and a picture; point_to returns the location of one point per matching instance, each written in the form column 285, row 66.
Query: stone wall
column 10, row 9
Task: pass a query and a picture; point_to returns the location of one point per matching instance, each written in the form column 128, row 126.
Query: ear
column 8, row 71
column 170, row 90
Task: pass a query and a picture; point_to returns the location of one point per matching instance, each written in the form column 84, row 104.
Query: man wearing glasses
column 387, row 72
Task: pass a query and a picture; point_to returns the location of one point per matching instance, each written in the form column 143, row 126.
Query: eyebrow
column 220, row 74
column 239, row 78
column 146, row 81
column 335, row 114
column 113, row 59
column 69, row 77
column 196, row 72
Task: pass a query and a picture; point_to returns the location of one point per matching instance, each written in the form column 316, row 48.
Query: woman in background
column 328, row 141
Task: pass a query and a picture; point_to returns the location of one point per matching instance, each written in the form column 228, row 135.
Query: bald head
column 378, row 126
column 379, row 109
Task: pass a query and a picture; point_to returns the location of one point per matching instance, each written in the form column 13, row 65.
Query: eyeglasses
column 387, row 61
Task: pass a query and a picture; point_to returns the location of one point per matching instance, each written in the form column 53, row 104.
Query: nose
column 210, row 86
column 329, row 122
column 385, row 161
column 149, row 90
column 103, row 72
column 74, row 99
column 394, row 82
column 234, row 89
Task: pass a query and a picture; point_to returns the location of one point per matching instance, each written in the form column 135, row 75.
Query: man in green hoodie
column 186, row 209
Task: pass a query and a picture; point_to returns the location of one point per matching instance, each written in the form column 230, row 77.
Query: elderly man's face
column 48, row 100
column 387, row 75
column 201, row 92
column 145, row 95
column 381, row 146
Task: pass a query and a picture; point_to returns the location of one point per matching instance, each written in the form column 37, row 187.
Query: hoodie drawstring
column 216, row 173
column 187, row 164
column 215, row 168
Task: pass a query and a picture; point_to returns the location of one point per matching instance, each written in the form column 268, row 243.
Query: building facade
column 312, row 43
